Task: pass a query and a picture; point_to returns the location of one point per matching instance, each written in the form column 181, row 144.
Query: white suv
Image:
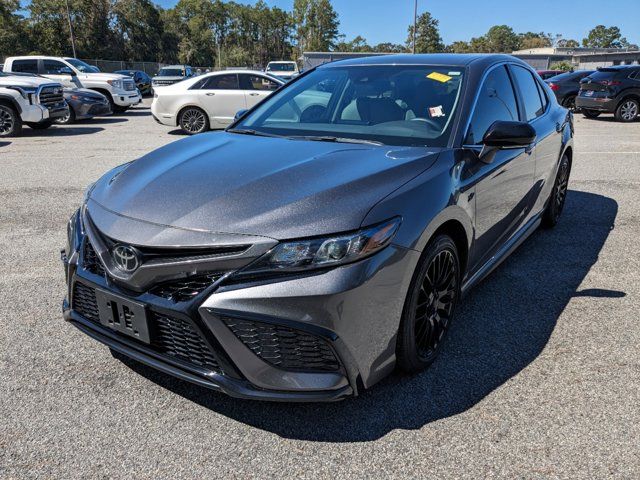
column 121, row 91
column 28, row 100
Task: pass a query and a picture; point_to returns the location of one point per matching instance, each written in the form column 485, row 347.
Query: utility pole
column 73, row 41
column 415, row 21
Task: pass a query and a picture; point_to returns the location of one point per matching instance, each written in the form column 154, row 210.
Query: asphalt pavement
column 540, row 377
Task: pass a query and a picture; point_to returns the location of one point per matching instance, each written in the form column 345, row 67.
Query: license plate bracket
column 123, row 315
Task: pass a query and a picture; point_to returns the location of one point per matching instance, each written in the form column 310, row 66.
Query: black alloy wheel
column 558, row 194
column 430, row 306
column 67, row 119
column 10, row 122
column 194, row 120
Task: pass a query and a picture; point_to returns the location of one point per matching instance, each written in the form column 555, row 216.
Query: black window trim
column 259, row 75
column 202, row 81
column 516, row 94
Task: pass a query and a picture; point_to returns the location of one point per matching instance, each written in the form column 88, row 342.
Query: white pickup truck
column 121, row 91
column 28, row 100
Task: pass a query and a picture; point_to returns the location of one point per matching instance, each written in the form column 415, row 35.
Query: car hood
column 25, row 81
column 102, row 77
column 273, row 187
column 83, row 91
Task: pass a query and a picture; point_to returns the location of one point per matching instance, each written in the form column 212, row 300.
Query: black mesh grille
column 177, row 337
column 90, row 261
column 84, row 301
column 51, row 96
column 186, row 288
column 284, row 347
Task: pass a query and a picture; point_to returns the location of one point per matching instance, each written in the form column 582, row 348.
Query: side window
column 543, row 96
column 25, row 66
column 54, row 67
column 530, row 94
column 496, row 101
column 221, row 82
column 255, row 82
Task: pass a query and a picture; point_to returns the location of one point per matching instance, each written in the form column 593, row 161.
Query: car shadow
column 501, row 327
column 137, row 112
column 101, row 120
column 61, row 131
column 5, row 144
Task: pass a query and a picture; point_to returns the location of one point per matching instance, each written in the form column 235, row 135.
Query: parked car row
column 612, row 90
column 38, row 91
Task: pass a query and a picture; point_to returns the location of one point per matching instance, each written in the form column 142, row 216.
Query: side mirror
column 502, row 134
column 240, row 114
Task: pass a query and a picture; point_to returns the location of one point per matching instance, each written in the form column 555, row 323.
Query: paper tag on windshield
column 435, row 112
column 439, row 77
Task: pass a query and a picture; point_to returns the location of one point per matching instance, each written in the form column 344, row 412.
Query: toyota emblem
column 126, row 258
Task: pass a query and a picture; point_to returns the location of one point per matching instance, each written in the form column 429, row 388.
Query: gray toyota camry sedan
column 325, row 238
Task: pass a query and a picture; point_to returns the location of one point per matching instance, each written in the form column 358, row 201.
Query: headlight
column 83, row 99
column 324, row 252
column 26, row 92
column 116, row 83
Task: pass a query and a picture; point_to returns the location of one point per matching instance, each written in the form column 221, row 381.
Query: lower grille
column 177, row 337
column 84, row 301
column 284, row 347
column 171, row 336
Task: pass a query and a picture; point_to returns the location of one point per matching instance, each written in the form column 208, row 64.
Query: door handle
column 254, row 94
column 210, row 94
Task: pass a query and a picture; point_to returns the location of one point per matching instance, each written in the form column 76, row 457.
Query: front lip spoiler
column 232, row 387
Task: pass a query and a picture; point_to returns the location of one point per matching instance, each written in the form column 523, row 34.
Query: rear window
column 25, row 66
column 607, row 73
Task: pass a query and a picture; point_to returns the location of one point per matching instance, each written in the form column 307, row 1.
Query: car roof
column 449, row 59
column 236, row 71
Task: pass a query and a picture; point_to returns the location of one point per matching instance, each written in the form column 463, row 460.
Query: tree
column 388, row 47
column 13, row 29
column 501, row 39
column 428, row 39
column 316, row 24
column 459, row 47
column 358, row 44
column 530, row 40
column 140, row 28
column 564, row 66
column 605, row 37
column 567, row 43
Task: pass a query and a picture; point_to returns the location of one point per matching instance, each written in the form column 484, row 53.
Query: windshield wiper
column 249, row 131
column 328, row 138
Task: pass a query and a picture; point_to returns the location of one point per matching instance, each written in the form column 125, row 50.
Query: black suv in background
column 611, row 90
column 143, row 81
column 566, row 87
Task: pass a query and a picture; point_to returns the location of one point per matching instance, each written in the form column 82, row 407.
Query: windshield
column 81, row 66
column 391, row 104
column 171, row 72
column 281, row 67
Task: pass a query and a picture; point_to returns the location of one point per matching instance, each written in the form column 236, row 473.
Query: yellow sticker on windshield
column 439, row 77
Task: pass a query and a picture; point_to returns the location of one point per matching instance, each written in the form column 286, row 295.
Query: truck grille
column 284, row 347
column 51, row 96
column 129, row 85
column 171, row 336
column 161, row 83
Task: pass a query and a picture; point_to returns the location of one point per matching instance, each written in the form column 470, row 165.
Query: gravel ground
column 540, row 378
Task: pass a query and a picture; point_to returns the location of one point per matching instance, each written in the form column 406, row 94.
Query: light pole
column 73, row 41
column 415, row 21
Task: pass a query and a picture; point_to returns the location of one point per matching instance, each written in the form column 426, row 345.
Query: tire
column 628, row 110
column 193, row 120
column 570, row 103
column 590, row 113
column 10, row 122
column 67, row 119
column 558, row 196
column 41, row 125
column 429, row 306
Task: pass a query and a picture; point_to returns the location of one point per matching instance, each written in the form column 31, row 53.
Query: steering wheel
column 432, row 123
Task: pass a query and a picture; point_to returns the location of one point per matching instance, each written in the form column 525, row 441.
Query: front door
column 222, row 97
column 256, row 88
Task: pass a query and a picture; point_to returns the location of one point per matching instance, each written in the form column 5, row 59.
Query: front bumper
column 89, row 110
column 125, row 98
column 354, row 309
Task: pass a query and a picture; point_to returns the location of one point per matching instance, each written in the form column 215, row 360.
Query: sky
column 387, row 20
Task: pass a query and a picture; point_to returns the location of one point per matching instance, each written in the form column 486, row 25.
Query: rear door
column 547, row 124
column 503, row 187
column 27, row 65
column 256, row 88
column 221, row 97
